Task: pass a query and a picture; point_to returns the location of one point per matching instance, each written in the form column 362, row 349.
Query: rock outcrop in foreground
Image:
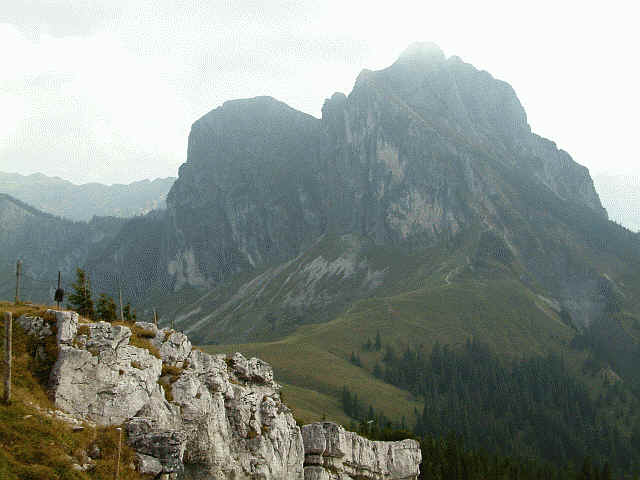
column 332, row 453
column 192, row 415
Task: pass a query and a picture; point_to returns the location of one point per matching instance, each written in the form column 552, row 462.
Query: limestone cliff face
column 415, row 155
column 197, row 416
column 419, row 148
column 246, row 195
column 416, row 152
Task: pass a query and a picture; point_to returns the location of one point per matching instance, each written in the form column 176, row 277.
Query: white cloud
column 107, row 90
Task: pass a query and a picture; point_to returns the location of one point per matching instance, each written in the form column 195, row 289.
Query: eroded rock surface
column 101, row 377
column 332, row 453
column 192, row 415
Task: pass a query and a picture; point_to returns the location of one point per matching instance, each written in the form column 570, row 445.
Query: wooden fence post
column 18, row 273
column 8, row 332
column 119, row 429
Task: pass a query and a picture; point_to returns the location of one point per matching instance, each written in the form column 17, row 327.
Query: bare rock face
column 148, row 465
column 192, row 415
column 100, row 376
column 174, row 347
column 67, row 325
column 332, row 453
column 201, row 416
column 35, row 326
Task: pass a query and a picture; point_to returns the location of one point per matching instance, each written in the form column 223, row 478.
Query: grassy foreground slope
column 33, row 443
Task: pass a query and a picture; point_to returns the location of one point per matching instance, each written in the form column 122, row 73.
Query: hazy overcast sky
column 107, row 90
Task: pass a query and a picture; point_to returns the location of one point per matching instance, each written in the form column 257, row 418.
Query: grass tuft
column 142, row 332
column 140, row 342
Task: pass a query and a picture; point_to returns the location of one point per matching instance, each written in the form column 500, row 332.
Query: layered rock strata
column 192, row 415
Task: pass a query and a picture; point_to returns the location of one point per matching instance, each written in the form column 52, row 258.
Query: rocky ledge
column 332, row 453
column 192, row 415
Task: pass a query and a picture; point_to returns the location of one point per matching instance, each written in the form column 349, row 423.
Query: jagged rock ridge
column 201, row 416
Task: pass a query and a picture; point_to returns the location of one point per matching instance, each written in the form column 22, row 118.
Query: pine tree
column 80, row 300
column 106, row 309
column 378, row 345
column 128, row 314
column 347, row 404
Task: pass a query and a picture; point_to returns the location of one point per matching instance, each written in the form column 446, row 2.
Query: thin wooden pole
column 8, row 333
column 155, row 316
column 18, row 273
column 59, row 278
column 119, row 447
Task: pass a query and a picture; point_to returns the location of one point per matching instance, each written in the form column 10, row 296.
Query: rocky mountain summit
column 423, row 152
column 197, row 416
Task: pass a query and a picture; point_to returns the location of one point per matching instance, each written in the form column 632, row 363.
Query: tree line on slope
column 449, row 458
column 533, row 408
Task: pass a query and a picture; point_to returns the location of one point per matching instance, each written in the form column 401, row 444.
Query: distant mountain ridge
column 81, row 202
column 47, row 244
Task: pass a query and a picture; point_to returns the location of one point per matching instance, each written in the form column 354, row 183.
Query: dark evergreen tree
column 128, row 313
column 106, row 309
column 510, row 407
column 355, row 359
column 80, row 300
column 378, row 344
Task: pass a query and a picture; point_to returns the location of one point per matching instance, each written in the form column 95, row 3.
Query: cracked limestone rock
column 207, row 416
column 232, row 419
column 67, row 323
column 174, row 347
column 107, row 380
column 148, row 465
column 35, row 326
column 332, row 453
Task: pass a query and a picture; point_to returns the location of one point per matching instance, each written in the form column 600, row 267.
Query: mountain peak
column 421, row 52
